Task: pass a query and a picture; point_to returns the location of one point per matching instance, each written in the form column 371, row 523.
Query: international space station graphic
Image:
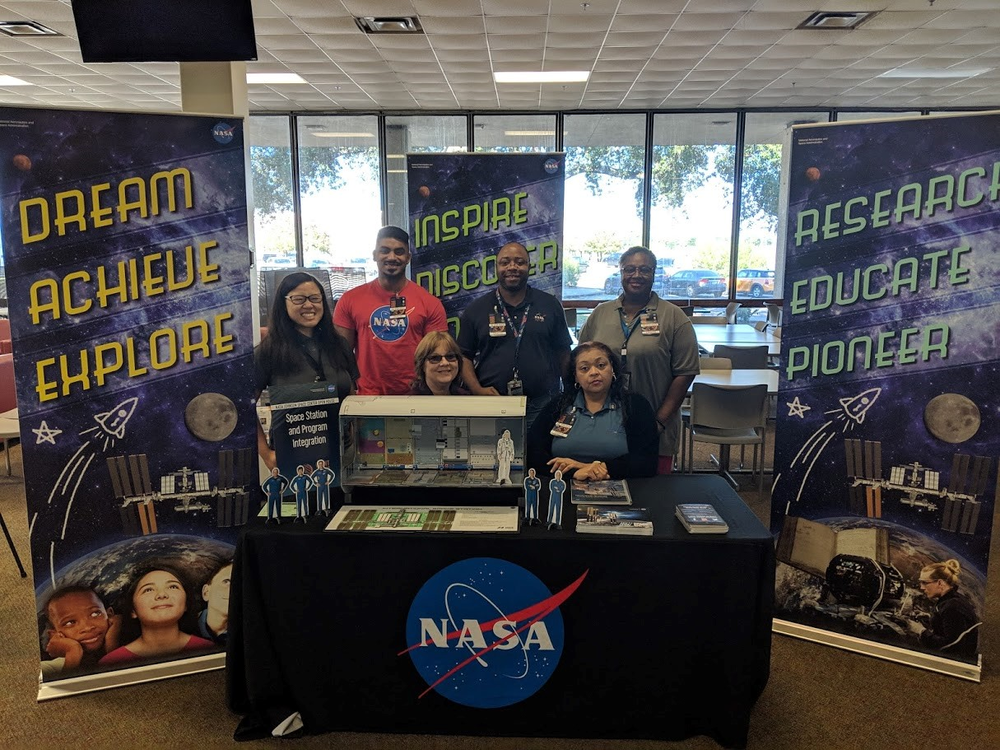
column 917, row 486
column 184, row 490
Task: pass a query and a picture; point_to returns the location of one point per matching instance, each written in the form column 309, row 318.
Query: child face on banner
column 159, row 599
column 80, row 616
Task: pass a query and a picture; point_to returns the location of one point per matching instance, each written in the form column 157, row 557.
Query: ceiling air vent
column 831, row 19
column 389, row 25
column 26, row 28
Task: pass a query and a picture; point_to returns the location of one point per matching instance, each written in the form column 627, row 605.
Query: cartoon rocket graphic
column 113, row 422
column 856, row 407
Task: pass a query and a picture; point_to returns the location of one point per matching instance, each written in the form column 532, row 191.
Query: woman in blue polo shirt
column 596, row 430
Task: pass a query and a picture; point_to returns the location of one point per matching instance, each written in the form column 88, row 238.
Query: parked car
column 755, row 282
column 698, row 282
column 613, row 284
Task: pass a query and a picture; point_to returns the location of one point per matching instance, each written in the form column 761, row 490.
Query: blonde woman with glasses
column 437, row 365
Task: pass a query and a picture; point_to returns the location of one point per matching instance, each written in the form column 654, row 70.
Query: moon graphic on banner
column 952, row 417
column 424, row 191
column 22, row 162
column 210, row 416
column 813, row 174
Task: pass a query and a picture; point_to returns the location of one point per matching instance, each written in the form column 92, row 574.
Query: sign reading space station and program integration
column 127, row 269
column 887, row 439
column 464, row 207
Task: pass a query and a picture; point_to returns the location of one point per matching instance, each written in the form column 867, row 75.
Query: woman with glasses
column 657, row 345
column 302, row 347
column 437, row 364
column 954, row 627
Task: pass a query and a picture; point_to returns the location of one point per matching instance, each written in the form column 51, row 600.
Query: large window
column 763, row 149
column 274, row 208
column 514, row 133
column 691, row 206
column 409, row 135
column 339, row 190
column 605, row 164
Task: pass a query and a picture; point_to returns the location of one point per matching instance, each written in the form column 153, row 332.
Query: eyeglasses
column 300, row 299
column 638, row 271
column 435, row 359
column 519, row 262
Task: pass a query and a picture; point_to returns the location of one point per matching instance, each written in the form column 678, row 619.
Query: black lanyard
column 317, row 364
column 518, row 331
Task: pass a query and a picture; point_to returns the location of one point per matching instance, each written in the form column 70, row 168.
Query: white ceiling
column 642, row 54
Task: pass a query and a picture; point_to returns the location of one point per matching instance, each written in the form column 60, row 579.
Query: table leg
column 6, row 454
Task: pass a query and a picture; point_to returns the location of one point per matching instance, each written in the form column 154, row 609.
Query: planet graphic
column 952, row 417
column 22, row 162
column 211, row 416
column 813, row 174
column 107, row 570
column 424, row 191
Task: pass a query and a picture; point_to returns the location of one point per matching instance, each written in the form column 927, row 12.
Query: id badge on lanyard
column 564, row 424
column 397, row 307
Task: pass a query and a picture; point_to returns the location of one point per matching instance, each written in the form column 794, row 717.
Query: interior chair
column 761, row 325
column 773, row 313
column 731, row 309
column 706, row 363
column 716, row 320
column 727, row 416
column 743, row 357
column 687, row 309
column 8, row 387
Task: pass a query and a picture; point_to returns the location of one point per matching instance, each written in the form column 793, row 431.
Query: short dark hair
column 394, row 233
column 635, row 250
column 66, row 591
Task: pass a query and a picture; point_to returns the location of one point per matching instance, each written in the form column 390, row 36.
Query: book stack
column 607, row 492
column 613, row 519
column 701, row 518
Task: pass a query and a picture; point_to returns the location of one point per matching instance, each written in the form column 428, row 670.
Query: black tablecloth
column 667, row 637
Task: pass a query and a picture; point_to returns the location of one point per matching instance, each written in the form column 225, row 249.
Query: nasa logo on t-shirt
column 486, row 633
column 386, row 327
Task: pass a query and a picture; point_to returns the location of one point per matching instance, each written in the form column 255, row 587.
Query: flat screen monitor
column 165, row 30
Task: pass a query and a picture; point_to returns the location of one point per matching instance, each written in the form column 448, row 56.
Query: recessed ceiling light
column 26, row 28
column 389, row 24
column 274, row 78
column 905, row 72
column 832, row 19
column 540, row 76
column 11, row 81
column 330, row 134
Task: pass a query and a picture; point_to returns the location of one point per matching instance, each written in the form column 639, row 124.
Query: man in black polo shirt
column 514, row 338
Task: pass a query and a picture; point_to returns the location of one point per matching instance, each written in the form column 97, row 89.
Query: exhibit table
column 662, row 637
column 768, row 377
column 735, row 334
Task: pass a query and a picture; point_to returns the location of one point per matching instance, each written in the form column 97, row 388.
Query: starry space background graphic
column 437, row 183
column 50, row 152
column 955, row 298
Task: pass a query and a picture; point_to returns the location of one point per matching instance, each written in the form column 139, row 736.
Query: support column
column 218, row 88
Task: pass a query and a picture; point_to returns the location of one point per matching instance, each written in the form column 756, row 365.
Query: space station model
column 185, row 490
column 445, row 445
column 917, row 486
